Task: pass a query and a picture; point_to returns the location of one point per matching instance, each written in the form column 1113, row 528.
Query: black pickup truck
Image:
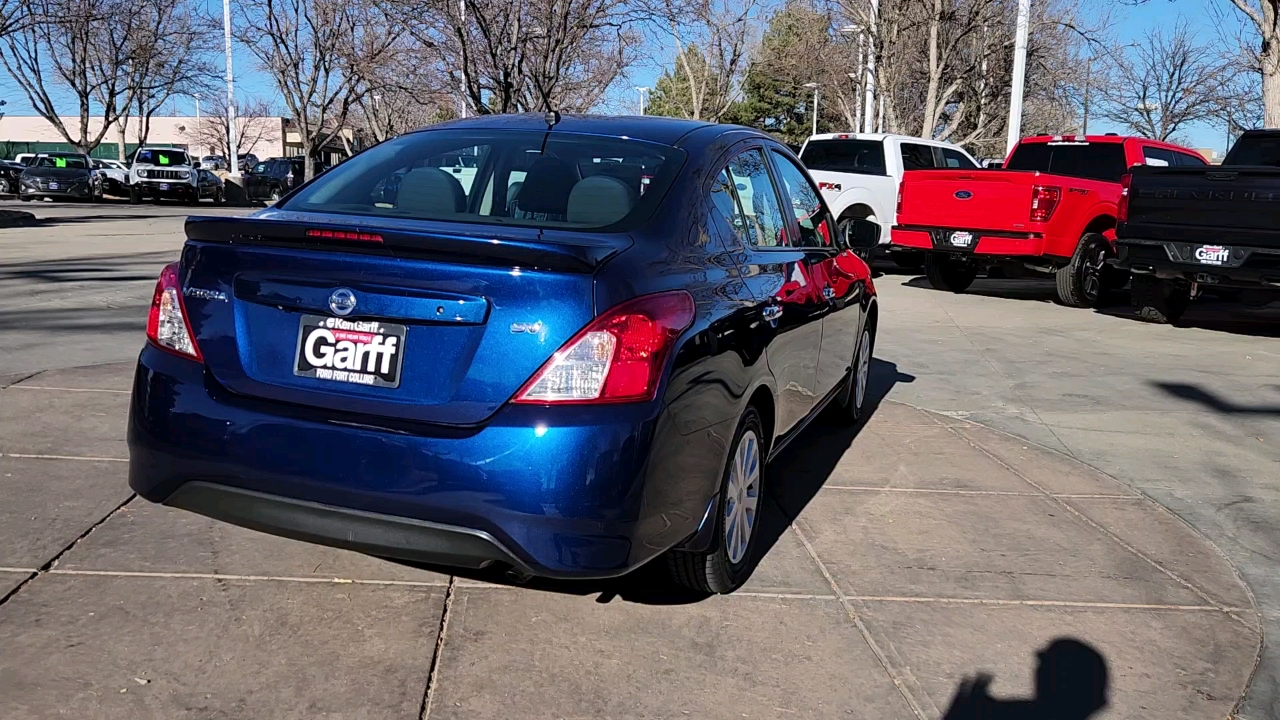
column 1184, row 231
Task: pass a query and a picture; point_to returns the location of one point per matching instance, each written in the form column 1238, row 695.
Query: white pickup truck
column 859, row 175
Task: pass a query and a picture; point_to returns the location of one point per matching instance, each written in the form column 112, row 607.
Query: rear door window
column 508, row 177
column 953, row 158
column 1186, row 159
column 758, row 199
column 1158, row 157
column 917, row 157
column 806, row 204
column 1092, row 161
column 865, row 157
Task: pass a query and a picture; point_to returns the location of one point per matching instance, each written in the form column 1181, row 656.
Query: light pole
column 644, row 96
column 233, row 156
column 858, row 114
column 197, row 99
column 814, row 87
column 462, row 55
column 1019, row 75
column 869, row 112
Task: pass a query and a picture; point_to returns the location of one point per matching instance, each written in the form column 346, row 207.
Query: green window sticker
column 164, row 159
column 60, row 162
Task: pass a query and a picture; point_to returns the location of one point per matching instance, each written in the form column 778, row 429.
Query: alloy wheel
column 863, row 369
column 742, row 497
column 1094, row 265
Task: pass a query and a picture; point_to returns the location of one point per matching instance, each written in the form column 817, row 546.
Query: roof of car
column 874, row 136
column 652, row 128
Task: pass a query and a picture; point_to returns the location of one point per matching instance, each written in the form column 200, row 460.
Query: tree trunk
column 1270, row 61
column 935, row 75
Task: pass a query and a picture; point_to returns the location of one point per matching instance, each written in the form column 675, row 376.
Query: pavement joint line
column 898, row 673
column 24, row 378
column 1044, row 603
column 16, row 386
column 433, row 675
column 1116, row 538
column 17, row 570
column 949, row 491
column 44, row 569
column 31, row 456
column 230, row 577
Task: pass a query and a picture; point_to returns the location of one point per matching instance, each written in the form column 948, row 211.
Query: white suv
column 859, row 175
column 164, row 172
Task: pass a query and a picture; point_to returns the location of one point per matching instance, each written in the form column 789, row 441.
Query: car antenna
column 552, row 118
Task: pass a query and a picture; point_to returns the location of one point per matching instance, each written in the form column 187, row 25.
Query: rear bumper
column 988, row 243
column 584, row 493
column 1246, row 268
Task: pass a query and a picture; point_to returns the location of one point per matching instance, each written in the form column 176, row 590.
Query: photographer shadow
column 1071, row 684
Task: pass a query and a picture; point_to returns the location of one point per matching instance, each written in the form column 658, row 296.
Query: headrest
column 546, row 187
column 431, row 191
column 600, row 200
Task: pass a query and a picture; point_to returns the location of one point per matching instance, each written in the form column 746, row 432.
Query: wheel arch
column 1104, row 225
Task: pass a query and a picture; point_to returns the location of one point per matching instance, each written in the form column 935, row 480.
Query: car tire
column 1087, row 281
column 219, row 197
column 4, row 187
column 1159, row 301
column 853, row 398
column 723, row 567
column 274, row 197
column 950, row 274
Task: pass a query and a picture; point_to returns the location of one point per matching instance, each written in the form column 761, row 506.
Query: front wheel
column 219, row 197
column 853, row 398
column 723, row 567
column 1159, row 301
column 275, row 196
column 948, row 273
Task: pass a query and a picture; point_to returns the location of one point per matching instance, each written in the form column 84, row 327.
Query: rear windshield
column 1255, row 150
column 1094, row 161
column 77, row 162
column 531, row 179
column 851, row 156
column 162, row 157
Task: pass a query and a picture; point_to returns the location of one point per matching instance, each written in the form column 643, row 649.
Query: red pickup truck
column 1051, row 210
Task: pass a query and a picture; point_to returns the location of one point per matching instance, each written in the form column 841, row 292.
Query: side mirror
column 861, row 235
column 196, row 165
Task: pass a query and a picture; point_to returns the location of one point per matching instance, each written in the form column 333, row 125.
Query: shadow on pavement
column 135, row 267
column 1037, row 289
column 1199, row 395
column 1071, row 684
column 794, row 478
column 1218, row 316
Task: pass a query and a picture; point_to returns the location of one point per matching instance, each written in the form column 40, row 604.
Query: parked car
column 565, row 377
column 10, row 172
column 60, row 176
column 213, row 162
column 247, row 162
column 115, row 177
column 859, row 175
column 274, row 178
column 164, row 173
column 24, row 159
column 210, row 186
column 1187, row 230
column 1050, row 212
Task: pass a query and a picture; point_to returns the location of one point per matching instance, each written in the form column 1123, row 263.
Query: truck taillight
column 619, row 357
column 167, row 325
column 1044, row 200
column 898, row 210
column 1122, row 205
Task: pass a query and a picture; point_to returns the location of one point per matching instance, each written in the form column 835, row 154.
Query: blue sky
column 1131, row 24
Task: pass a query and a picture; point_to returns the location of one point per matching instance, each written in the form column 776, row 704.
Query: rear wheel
column 219, row 196
column 275, row 196
column 723, row 567
column 949, row 273
column 1159, row 301
column 1087, row 281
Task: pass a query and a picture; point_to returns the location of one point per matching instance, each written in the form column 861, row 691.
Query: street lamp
column 234, row 157
column 814, row 87
column 644, row 96
column 1019, row 75
column 197, row 99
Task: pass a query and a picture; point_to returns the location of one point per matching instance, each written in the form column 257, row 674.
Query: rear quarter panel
column 1085, row 204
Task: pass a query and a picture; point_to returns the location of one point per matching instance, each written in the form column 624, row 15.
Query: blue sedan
column 560, row 345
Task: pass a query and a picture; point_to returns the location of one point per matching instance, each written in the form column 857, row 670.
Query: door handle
column 772, row 313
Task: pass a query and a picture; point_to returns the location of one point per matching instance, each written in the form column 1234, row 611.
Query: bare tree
column 62, row 48
column 318, row 52
column 169, row 52
column 1164, row 83
column 1264, row 17
column 713, row 40
column 256, row 123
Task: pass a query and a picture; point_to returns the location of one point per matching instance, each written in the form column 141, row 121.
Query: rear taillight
column 167, row 326
column 344, row 235
column 899, row 209
column 619, row 357
column 1122, row 205
column 1044, row 199
column 288, row 179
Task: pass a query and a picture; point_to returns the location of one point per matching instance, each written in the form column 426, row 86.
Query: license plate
column 961, row 238
column 53, row 186
column 360, row 352
column 1212, row 254
column 164, row 186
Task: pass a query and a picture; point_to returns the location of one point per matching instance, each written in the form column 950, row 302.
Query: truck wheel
column 948, row 273
column 1159, row 301
column 1087, row 281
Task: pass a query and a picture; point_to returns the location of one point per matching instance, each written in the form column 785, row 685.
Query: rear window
column 1092, row 161
column 1255, row 150
column 529, row 179
column 849, row 156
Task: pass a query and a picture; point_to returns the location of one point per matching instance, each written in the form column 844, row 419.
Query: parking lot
column 1030, row 472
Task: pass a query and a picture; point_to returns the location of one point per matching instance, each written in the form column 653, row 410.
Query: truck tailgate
column 1197, row 204
column 967, row 199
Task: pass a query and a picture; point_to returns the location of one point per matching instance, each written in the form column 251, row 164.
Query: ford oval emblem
column 342, row 301
column 963, row 194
